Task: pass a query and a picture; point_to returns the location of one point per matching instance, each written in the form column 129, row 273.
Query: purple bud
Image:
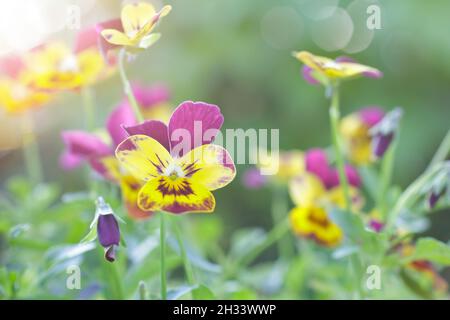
column 380, row 143
column 376, row 225
column 108, row 234
column 434, row 197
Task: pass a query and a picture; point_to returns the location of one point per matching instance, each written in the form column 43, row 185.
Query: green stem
column 88, row 108
column 162, row 234
column 357, row 270
column 387, row 167
column 337, row 145
column 442, row 151
column 273, row 236
column 187, row 264
column 117, row 280
column 31, row 150
column 127, row 87
column 279, row 212
column 411, row 194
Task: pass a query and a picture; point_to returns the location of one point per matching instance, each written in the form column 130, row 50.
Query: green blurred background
column 237, row 54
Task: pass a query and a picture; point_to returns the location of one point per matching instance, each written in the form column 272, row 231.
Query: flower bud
column 108, row 231
column 383, row 132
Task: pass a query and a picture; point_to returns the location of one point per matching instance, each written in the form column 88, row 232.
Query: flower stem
column 88, row 108
column 337, row 145
column 411, row 194
column 279, row 212
column 162, row 234
column 127, row 87
column 442, row 152
column 187, row 264
column 387, row 167
column 357, row 270
column 30, row 149
column 273, row 236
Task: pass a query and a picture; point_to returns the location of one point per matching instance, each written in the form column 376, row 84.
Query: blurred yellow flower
column 56, row 67
column 355, row 132
column 312, row 222
column 325, row 69
column 138, row 21
column 285, row 164
column 16, row 96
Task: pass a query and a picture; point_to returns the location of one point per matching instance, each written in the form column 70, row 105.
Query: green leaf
column 202, row 293
column 432, row 250
column 91, row 236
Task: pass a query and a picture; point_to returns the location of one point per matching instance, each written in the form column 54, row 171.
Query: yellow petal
column 209, row 165
column 306, row 189
column 178, row 195
column 136, row 16
column 116, row 37
column 144, row 157
column 312, row 222
column 130, row 187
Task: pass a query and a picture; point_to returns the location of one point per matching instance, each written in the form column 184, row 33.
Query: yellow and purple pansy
column 318, row 69
column 55, row 67
column 16, row 95
column 99, row 153
column 134, row 29
column 177, row 162
column 355, row 130
column 313, row 191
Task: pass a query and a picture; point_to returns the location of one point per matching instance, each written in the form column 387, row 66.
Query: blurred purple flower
column 253, row 179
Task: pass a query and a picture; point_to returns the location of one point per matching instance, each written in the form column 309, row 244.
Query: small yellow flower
column 325, row 69
column 312, row 222
column 336, row 197
column 138, row 21
column 16, row 96
column 56, row 67
column 286, row 165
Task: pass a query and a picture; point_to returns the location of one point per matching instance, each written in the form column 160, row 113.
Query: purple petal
column 307, row 75
column 108, row 230
column 110, row 253
column 189, row 123
column 121, row 116
column 84, row 144
column 69, row 161
column 86, row 39
column 434, row 197
column 376, row 225
column 317, row 163
column 11, row 65
column 373, row 74
column 345, row 59
column 149, row 96
column 371, row 115
column 380, row 143
column 105, row 46
column 352, row 175
column 152, row 128
column 253, row 179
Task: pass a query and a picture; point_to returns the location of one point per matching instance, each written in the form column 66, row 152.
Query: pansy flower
column 16, row 95
column 320, row 183
column 98, row 151
column 383, row 132
column 313, row 191
column 135, row 31
column 324, row 70
column 312, row 222
column 274, row 167
column 355, row 132
column 177, row 162
column 55, row 66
